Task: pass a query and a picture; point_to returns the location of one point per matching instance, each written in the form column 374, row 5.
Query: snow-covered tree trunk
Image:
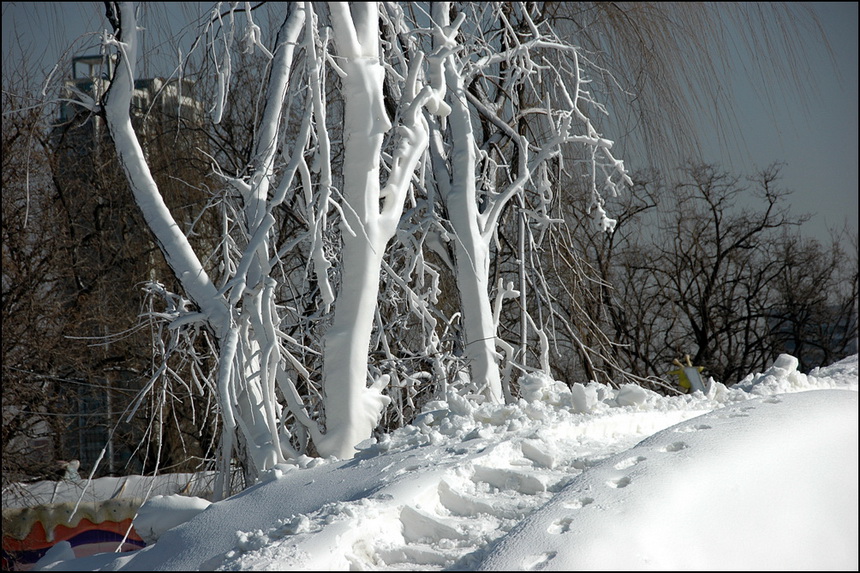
column 173, row 242
column 246, row 340
column 350, row 408
column 258, row 355
column 471, row 250
column 524, row 77
column 472, row 259
column 370, row 216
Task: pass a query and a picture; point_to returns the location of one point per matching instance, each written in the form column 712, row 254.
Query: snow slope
column 766, row 484
column 763, row 475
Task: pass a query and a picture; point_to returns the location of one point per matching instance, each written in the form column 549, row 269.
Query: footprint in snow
column 538, row 561
column 559, row 526
column 578, row 503
column 696, row 428
column 674, row 447
column 629, row 462
column 618, row 483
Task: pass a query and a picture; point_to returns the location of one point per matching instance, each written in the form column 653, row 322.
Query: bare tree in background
column 669, row 68
column 814, row 313
column 32, row 301
column 732, row 287
column 77, row 344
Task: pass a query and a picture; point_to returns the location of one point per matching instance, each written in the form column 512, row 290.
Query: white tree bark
column 173, row 242
column 471, row 250
column 456, row 167
column 247, row 343
column 370, row 217
column 257, row 407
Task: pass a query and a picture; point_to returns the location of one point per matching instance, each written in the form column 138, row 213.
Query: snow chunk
column 539, row 452
column 61, row 551
column 631, row 395
column 164, row 512
column 537, row 386
column 584, row 398
column 786, row 362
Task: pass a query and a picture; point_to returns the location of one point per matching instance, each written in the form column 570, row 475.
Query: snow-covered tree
column 526, row 89
column 389, row 205
column 433, row 130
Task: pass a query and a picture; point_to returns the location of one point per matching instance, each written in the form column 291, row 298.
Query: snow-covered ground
column 763, row 475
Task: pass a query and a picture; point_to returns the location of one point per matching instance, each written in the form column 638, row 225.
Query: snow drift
column 762, row 476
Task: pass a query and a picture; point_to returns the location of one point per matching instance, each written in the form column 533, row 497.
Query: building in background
column 113, row 255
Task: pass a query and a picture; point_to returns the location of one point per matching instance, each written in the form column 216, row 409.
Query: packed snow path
column 439, row 507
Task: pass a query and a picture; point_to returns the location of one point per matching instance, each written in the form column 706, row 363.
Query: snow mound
column 580, row 477
column 162, row 513
column 731, row 489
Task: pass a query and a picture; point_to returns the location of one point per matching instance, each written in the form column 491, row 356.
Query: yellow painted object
column 683, row 380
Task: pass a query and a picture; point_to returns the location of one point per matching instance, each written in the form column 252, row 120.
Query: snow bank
column 767, row 484
column 728, row 479
column 165, row 512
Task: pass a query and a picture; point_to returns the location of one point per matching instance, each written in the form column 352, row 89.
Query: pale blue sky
column 817, row 143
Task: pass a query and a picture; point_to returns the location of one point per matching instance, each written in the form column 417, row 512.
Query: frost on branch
column 524, row 87
column 400, row 169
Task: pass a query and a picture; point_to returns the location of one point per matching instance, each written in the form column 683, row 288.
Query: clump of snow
column 61, row 551
column 584, row 398
column 631, row 395
column 783, row 377
column 760, row 475
column 538, row 386
column 164, row 512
